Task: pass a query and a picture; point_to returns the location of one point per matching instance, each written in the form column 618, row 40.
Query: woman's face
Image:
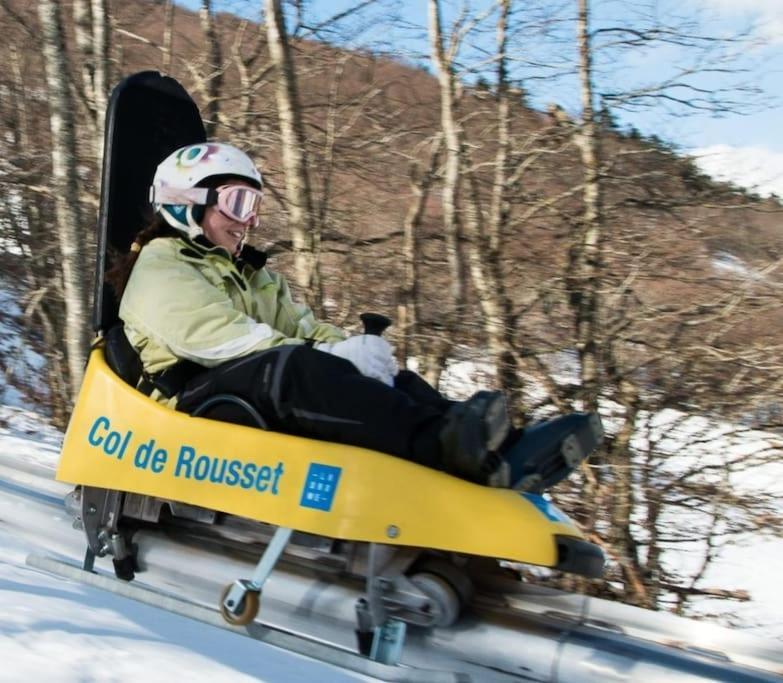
column 223, row 231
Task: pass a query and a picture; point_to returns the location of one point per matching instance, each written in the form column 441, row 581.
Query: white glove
column 372, row 355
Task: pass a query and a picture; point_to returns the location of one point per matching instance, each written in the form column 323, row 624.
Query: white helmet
column 187, row 167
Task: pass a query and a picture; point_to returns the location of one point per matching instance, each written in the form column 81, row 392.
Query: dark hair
column 122, row 264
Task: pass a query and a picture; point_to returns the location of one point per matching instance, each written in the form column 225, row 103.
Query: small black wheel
column 248, row 608
column 126, row 568
column 445, row 601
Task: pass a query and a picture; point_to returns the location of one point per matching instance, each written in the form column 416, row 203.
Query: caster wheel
column 446, row 605
column 248, row 607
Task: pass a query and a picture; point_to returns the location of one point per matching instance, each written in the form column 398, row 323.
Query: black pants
column 300, row 390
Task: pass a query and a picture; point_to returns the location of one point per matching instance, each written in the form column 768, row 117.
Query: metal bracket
column 236, row 595
column 100, row 514
column 270, row 557
column 387, row 642
column 88, row 564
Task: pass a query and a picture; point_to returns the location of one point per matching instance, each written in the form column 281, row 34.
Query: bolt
column 392, row 531
column 92, row 510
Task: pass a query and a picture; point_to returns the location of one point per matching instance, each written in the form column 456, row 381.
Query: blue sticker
column 320, row 486
column 547, row 508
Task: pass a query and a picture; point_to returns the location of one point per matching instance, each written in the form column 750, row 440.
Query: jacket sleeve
column 293, row 319
column 176, row 307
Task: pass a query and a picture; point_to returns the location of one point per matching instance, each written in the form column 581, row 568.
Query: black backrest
column 148, row 117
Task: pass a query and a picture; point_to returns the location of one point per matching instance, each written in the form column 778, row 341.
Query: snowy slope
column 57, row 631
column 61, row 632
column 20, row 366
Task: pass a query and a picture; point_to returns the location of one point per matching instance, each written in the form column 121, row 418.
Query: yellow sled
column 119, row 438
column 403, row 529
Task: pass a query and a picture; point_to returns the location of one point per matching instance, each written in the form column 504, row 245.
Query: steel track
column 523, row 634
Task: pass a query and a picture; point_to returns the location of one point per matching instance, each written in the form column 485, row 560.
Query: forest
column 571, row 261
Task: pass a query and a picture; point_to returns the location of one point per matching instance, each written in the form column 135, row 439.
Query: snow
column 60, row 631
column 755, row 168
column 20, row 364
column 707, row 451
column 729, row 263
column 64, row 632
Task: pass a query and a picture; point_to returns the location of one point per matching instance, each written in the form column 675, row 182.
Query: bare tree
column 91, row 24
column 168, row 35
column 213, row 67
column 297, row 181
column 443, row 58
column 585, row 257
column 64, row 155
column 486, row 233
column 408, row 315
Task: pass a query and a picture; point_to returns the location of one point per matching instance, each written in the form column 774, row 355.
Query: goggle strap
column 172, row 195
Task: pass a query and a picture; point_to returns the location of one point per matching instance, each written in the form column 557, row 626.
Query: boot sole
column 496, row 423
column 574, row 449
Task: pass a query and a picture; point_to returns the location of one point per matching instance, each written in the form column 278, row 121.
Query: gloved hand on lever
column 372, row 355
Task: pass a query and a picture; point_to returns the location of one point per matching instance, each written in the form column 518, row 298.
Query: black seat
column 121, row 356
column 124, row 361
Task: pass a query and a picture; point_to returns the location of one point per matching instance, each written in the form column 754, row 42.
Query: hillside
column 673, row 235
column 663, row 301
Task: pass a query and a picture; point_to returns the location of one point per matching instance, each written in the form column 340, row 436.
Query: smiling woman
column 207, row 318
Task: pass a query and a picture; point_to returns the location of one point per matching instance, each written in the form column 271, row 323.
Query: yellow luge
column 120, row 439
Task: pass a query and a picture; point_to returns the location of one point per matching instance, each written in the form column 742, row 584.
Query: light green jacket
column 188, row 301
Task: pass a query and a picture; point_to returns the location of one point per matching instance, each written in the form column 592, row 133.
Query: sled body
column 120, row 439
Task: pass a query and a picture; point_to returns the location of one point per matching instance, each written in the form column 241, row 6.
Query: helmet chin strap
column 174, row 218
column 194, row 229
column 191, row 227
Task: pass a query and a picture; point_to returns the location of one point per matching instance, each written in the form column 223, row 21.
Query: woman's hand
column 372, row 355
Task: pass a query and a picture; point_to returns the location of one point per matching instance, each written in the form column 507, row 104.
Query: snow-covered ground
column 59, row 631
column 56, row 630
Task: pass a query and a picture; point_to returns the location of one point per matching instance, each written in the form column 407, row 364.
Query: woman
column 207, row 317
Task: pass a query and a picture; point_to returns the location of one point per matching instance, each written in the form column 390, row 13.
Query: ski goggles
column 237, row 202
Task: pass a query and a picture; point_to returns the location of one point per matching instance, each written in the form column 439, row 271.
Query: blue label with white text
column 320, row 486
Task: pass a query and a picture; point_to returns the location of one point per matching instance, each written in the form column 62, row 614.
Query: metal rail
column 523, row 633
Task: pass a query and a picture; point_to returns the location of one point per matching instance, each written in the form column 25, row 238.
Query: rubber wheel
column 445, row 599
column 248, row 610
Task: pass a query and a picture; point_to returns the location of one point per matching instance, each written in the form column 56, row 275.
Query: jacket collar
column 250, row 256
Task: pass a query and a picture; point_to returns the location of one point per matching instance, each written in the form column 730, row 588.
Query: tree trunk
column 586, row 255
column 451, row 180
column 102, row 76
column 20, row 121
column 432, row 361
column 213, row 68
column 582, row 278
column 66, row 187
column 168, row 32
column 622, row 496
column 297, row 181
column 499, row 323
column 82, row 31
column 408, row 307
column 91, row 31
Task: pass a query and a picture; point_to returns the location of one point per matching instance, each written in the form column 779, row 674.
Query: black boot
column 473, row 432
column 544, row 454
